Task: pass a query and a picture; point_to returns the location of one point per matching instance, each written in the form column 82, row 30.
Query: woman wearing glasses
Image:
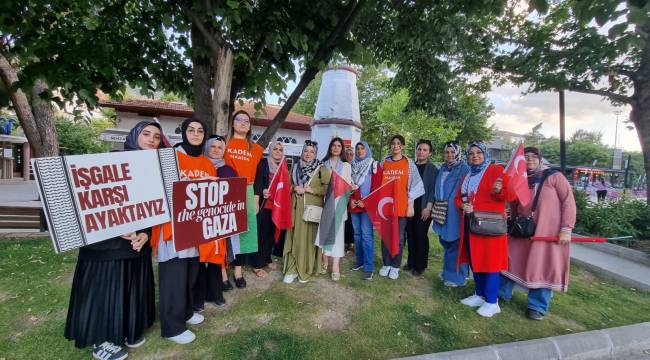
column 302, row 259
column 243, row 155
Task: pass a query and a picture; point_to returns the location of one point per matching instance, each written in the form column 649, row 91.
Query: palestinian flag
column 335, row 208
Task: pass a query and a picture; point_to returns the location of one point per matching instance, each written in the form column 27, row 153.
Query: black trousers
column 348, row 231
column 208, row 286
column 265, row 239
column 176, row 278
column 417, row 234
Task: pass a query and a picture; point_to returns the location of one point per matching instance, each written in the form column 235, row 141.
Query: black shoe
column 198, row 309
column 367, row 275
column 407, row 268
column 356, row 267
column 240, row 283
column 220, row 303
column 417, row 272
column 109, row 351
column 534, row 314
column 227, row 286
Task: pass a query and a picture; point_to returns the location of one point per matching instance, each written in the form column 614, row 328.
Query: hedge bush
column 623, row 217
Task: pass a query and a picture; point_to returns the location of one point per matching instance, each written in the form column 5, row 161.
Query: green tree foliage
column 595, row 47
column 82, row 137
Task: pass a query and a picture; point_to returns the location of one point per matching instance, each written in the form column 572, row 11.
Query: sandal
column 260, row 273
column 336, row 276
column 273, row 265
column 323, row 270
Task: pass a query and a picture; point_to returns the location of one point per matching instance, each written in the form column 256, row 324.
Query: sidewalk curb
column 609, row 274
column 612, row 343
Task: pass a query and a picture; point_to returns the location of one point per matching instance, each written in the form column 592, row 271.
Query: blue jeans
column 538, row 299
column 487, row 285
column 364, row 244
column 450, row 259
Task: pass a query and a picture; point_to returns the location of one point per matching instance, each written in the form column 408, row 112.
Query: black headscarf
column 131, row 142
column 192, row 150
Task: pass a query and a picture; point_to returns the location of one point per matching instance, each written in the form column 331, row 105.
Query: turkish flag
column 380, row 205
column 516, row 171
column 280, row 195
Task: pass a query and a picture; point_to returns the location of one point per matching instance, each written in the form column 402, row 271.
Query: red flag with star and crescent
column 516, row 171
column 280, row 195
column 380, row 205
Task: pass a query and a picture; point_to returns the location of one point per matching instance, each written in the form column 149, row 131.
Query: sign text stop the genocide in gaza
column 207, row 210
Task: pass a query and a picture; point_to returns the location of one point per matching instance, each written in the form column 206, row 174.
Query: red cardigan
column 488, row 253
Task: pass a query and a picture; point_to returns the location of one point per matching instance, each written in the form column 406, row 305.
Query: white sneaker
column 185, row 337
column 489, row 310
column 473, row 301
column 393, row 273
column 196, row 319
column 384, row 271
column 136, row 344
column 289, row 278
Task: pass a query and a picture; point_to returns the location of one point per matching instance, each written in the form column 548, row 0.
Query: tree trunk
column 640, row 114
column 201, row 81
column 223, row 68
column 37, row 118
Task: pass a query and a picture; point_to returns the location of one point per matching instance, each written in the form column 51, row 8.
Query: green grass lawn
column 352, row 319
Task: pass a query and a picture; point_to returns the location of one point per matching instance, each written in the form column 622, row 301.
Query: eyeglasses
column 311, row 143
column 242, row 118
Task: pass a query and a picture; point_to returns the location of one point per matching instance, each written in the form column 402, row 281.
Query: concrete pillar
column 337, row 109
column 27, row 158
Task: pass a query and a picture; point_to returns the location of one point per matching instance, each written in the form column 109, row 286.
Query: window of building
column 287, row 140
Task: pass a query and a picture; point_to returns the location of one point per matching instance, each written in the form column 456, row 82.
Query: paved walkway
column 615, row 267
column 15, row 191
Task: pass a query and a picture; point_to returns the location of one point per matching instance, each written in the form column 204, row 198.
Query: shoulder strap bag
column 525, row 226
column 311, row 213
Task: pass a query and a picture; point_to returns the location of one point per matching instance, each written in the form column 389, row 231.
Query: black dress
column 112, row 296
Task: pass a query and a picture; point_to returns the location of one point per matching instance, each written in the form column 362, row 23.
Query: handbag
column 525, row 226
column 488, row 223
column 439, row 211
column 312, row 213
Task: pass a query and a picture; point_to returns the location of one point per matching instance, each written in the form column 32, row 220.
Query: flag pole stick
column 377, row 189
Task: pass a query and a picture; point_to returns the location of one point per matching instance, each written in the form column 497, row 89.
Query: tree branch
column 608, row 94
column 324, row 53
column 215, row 41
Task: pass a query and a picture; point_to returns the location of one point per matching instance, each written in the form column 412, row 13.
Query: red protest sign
column 207, row 210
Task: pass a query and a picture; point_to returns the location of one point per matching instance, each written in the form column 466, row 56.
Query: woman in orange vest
column 243, row 155
column 212, row 255
column 409, row 187
column 177, row 270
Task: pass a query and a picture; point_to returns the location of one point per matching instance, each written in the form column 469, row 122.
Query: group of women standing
column 112, row 298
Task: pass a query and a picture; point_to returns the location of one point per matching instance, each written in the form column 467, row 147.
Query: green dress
column 301, row 256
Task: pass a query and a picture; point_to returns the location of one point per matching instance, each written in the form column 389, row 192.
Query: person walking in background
column 243, row 155
column 447, row 217
column 484, row 190
column 541, row 266
column 417, row 227
column 302, row 259
column 601, row 188
column 212, row 255
column 409, row 187
column 363, row 167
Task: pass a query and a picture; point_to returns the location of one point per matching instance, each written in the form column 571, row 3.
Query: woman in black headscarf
column 112, row 296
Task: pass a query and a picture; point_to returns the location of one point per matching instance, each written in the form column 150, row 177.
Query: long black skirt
column 111, row 300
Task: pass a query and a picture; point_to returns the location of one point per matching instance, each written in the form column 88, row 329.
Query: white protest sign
column 90, row 198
